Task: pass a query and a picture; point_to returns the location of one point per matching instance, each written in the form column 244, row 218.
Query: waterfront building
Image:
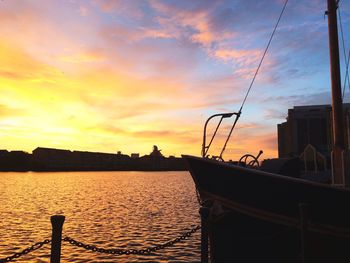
column 309, row 125
column 14, row 160
column 50, row 159
column 135, row 156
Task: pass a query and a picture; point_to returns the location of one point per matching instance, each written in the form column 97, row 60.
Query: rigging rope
column 262, row 58
column 347, row 73
column 346, row 57
column 253, row 80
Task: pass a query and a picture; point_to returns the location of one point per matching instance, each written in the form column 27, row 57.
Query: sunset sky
column 118, row 75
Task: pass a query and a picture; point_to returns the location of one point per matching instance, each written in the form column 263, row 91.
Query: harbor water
column 127, row 210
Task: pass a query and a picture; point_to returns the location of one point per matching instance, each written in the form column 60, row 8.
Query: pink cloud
column 169, row 60
column 197, row 26
column 195, row 23
column 84, row 11
column 121, row 33
column 108, row 5
column 41, row 32
column 89, row 55
column 245, row 61
column 154, row 33
column 131, row 9
column 241, row 56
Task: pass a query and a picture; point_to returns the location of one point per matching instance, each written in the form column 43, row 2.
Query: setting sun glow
column 108, row 76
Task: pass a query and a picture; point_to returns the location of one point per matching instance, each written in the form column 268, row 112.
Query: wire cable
column 347, row 72
column 265, row 52
column 346, row 58
column 253, row 80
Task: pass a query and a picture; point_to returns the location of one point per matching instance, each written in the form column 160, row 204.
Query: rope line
column 265, row 52
column 346, row 57
column 253, row 80
column 347, row 71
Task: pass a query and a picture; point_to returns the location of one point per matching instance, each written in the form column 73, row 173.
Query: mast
column 338, row 170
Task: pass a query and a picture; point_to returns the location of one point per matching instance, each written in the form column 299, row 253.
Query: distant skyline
column 112, row 75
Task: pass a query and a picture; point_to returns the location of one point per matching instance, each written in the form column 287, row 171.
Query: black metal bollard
column 57, row 224
column 304, row 210
column 204, row 212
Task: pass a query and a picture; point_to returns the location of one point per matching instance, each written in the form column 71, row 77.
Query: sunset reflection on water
column 108, row 209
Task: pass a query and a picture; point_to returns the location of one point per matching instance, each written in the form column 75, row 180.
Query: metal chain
column 146, row 251
column 26, row 251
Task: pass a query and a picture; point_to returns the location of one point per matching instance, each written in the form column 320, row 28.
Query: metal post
column 304, row 219
column 57, row 224
column 337, row 104
column 204, row 212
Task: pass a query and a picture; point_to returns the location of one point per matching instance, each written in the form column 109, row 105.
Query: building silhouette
column 50, row 159
column 309, row 125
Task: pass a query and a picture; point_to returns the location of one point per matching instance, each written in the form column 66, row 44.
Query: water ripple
column 107, row 209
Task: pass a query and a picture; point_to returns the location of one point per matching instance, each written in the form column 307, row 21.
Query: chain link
column 146, row 251
column 26, row 251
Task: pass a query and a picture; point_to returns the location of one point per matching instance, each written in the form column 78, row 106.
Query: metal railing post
column 304, row 210
column 57, row 224
column 204, row 212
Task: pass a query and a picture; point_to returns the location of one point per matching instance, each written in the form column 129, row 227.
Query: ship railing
column 246, row 160
column 205, row 146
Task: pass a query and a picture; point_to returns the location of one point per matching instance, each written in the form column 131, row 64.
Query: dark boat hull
column 261, row 221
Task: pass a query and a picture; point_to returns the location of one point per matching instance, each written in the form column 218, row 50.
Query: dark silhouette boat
column 258, row 216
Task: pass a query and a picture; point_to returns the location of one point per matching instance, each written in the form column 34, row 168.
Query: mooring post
column 57, row 224
column 304, row 210
column 204, row 212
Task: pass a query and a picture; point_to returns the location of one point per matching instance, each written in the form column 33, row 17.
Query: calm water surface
column 108, row 209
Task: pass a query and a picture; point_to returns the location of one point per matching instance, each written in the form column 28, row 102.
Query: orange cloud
column 241, row 56
column 7, row 112
column 76, row 111
column 174, row 20
column 58, row 108
column 16, row 64
column 246, row 61
column 88, row 83
column 247, row 137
